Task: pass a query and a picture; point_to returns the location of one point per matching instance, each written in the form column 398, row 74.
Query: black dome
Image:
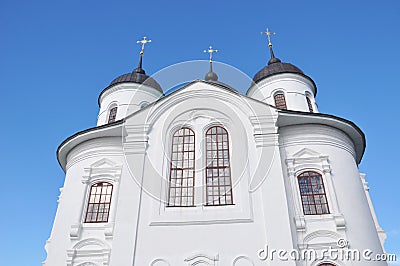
column 137, row 76
column 276, row 68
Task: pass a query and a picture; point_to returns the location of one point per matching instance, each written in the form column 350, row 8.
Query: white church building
column 205, row 175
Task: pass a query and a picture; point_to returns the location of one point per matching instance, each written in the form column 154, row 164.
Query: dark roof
column 137, row 77
column 276, row 68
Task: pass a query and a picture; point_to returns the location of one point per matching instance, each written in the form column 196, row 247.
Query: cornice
column 108, row 130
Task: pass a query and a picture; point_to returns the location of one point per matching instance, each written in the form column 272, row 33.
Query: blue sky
column 57, row 56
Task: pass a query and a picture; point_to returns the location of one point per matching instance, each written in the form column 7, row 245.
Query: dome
column 276, row 68
column 211, row 76
column 137, row 76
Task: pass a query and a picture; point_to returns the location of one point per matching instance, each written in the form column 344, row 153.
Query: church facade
column 208, row 176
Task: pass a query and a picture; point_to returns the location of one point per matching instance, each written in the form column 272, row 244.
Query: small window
column 112, row 114
column 280, row 101
column 99, row 203
column 310, row 107
column 312, row 192
column 181, row 178
column 218, row 170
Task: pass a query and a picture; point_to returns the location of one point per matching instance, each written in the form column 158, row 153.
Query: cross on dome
column 273, row 58
column 143, row 42
column 268, row 33
column 211, row 75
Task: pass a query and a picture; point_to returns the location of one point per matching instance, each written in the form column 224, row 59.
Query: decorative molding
column 318, row 240
column 202, row 258
column 264, row 130
column 242, row 259
column 101, row 147
column 136, row 140
column 101, row 170
column 228, row 220
column 92, row 249
column 60, row 195
column 304, row 160
column 159, row 262
column 316, row 135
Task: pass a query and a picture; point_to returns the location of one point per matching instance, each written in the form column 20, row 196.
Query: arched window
column 312, row 191
column 99, row 203
column 280, row 101
column 326, row 264
column 310, row 107
column 218, row 170
column 112, row 114
column 181, row 176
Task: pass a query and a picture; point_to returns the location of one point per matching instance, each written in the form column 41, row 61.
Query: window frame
column 324, row 194
column 283, row 104
column 89, row 203
column 112, row 117
column 227, row 188
column 309, row 103
column 191, row 169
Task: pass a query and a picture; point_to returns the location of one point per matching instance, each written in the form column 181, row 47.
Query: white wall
column 128, row 97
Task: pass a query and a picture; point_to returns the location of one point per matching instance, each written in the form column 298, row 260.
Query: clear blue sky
column 57, row 56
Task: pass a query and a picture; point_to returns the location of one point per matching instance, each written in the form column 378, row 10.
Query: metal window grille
column 181, row 179
column 280, row 101
column 112, row 115
column 310, row 107
column 99, row 203
column 312, row 191
column 218, row 171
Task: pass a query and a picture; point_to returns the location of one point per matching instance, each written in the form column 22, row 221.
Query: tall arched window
column 99, row 203
column 310, row 107
column 280, row 101
column 218, row 170
column 112, row 114
column 181, row 176
column 312, row 191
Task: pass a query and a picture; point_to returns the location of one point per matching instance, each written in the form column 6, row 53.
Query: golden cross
column 269, row 33
column 210, row 50
column 143, row 42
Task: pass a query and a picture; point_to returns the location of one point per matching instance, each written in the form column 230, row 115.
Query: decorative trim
column 242, row 258
column 136, row 139
column 102, row 170
column 153, row 263
column 202, row 258
column 309, row 160
column 100, row 254
column 265, row 132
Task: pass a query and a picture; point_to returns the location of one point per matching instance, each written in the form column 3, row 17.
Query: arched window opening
column 326, row 264
column 181, row 178
column 218, row 172
column 312, row 191
column 99, row 203
column 310, row 107
column 280, row 101
column 112, row 114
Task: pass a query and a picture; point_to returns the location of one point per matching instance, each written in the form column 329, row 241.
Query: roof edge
column 81, row 133
column 360, row 152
